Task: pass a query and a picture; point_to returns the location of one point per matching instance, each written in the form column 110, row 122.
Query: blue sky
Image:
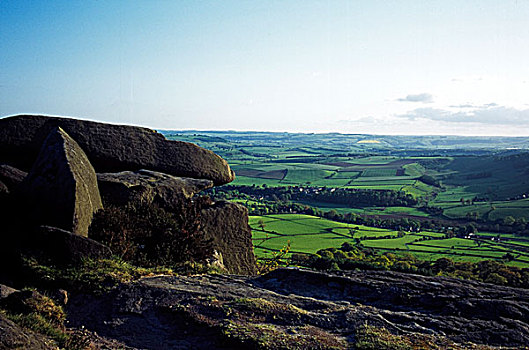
column 386, row 67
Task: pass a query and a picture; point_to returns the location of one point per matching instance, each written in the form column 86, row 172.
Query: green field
column 308, row 234
column 470, row 178
column 492, row 210
column 472, row 167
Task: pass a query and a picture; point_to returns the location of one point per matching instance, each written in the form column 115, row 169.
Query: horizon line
column 254, row 130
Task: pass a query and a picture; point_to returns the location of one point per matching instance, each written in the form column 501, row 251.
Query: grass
column 393, row 243
column 492, row 210
column 248, row 181
column 452, row 242
column 502, row 213
column 96, row 276
column 41, row 325
column 413, row 169
column 305, row 233
column 381, row 211
column 379, row 338
column 373, row 338
column 32, row 310
column 378, row 172
column 308, row 234
column 295, row 176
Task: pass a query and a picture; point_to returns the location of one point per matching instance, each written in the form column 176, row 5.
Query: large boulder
column 145, row 186
column 226, row 224
column 61, row 188
column 112, row 148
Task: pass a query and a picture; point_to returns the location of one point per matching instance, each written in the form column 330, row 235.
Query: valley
column 463, row 198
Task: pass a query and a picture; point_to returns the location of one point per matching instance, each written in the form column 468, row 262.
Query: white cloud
column 424, row 98
column 486, row 114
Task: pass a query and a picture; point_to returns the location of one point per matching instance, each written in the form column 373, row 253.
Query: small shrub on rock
column 148, row 235
column 32, row 310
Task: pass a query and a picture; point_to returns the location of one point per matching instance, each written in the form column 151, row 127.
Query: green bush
column 350, row 257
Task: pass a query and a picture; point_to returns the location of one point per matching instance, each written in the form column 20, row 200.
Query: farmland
column 308, row 234
column 458, row 183
column 467, row 167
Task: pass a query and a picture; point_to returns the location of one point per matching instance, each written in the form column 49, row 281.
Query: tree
column 496, row 279
column 471, row 228
column 261, row 224
column 509, row 220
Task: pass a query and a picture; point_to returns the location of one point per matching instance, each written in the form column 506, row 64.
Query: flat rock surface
column 111, row 148
column 306, row 308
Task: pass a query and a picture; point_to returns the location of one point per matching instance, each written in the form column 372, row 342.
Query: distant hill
column 356, row 142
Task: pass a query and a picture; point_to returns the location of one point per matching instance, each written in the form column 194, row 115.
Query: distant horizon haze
column 366, row 67
column 255, row 131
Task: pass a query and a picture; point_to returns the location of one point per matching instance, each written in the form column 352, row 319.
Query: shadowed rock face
column 111, row 148
column 180, row 312
column 147, row 186
column 226, row 223
column 11, row 176
column 61, row 188
column 3, row 188
column 63, row 247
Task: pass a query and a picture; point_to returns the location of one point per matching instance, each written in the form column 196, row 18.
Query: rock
column 60, row 296
column 61, row 188
column 12, row 336
column 226, row 223
column 23, row 302
column 112, row 148
column 147, row 186
column 3, row 189
column 5, row 291
column 11, row 176
column 63, row 247
column 294, row 308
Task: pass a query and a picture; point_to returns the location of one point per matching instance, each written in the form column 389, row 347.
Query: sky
column 379, row 67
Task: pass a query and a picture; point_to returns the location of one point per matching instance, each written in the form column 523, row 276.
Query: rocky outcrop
column 306, row 310
column 61, row 188
column 12, row 336
column 145, row 186
column 111, row 148
column 461, row 310
column 226, row 224
column 11, row 176
column 62, row 191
